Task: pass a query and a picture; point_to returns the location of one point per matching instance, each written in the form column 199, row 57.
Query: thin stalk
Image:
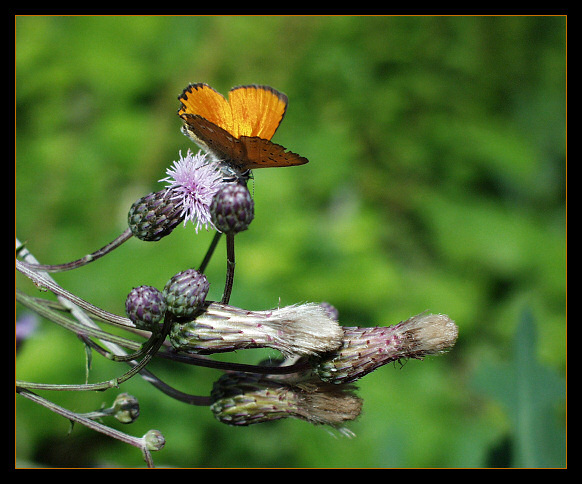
column 49, row 284
column 138, row 442
column 126, row 235
column 114, row 383
column 72, row 325
column 210, row 251
column 230, row 264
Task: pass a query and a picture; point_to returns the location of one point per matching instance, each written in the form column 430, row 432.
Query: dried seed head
column 304, row 329
column 365, row 349
column 243, row 399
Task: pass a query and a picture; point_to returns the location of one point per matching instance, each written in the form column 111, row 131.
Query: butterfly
column 237, row 131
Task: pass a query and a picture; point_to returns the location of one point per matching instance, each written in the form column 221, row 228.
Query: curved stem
column 126, row 235
column 230, row 264
column 158, row 340
column 72, row 325
column 41, row 281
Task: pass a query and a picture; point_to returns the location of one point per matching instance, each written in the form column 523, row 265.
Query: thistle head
column 185, row 293
column 145, row 306
column 154, row 216
column 243, row 399
column 192, row 183
column 365, row 349
column 232, row 208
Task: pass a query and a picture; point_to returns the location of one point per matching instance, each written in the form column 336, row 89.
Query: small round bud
column 126, row 408
column 232, row 208
column 145, row 306
column 185, row 293
column 154, row 216
column 154, row 440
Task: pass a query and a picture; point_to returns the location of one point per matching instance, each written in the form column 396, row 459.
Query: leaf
column 537, row 390
column 530, row 393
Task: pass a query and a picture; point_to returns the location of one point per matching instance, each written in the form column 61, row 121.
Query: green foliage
column 436, row 182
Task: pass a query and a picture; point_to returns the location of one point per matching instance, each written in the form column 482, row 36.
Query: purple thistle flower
column 194, row 181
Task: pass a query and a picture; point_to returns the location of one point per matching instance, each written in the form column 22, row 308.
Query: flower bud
column 304, row 329
column 145, row 306
column 365, row 349
column 185, row 293
column 154, row 216
column 232, row 208
column 126, row 408
column 243, row 399
column 154, row 440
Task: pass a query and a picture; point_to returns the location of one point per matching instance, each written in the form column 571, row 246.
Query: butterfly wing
column 213, row 139
column 262, row 153
column 201, row 100
column 256, row 110
column 238, row 130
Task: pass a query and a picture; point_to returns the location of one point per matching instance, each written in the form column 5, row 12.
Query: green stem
column 52, row 314
column 42, row 281
column 210, row 251
column 158, row 340
column 230, row 264
column 126, row 235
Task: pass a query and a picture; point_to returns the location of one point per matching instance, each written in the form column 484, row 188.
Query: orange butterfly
column 237, row 130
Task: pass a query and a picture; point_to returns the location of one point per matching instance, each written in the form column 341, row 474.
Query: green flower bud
column 126, row 408
column 154, row 440
column 154, row 216
column 185, row 293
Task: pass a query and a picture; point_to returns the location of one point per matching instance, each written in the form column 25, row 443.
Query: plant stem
column 210, row 251
column 158, row 339
column 92, row 424
column 126, row 235
column 49, row 284
column 230, row 264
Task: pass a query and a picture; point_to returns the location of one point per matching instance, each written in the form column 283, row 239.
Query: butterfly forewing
column 201, row 100
column 256, row 110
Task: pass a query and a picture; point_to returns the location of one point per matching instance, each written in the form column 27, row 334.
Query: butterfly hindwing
column 262, row 153
column 213, row 139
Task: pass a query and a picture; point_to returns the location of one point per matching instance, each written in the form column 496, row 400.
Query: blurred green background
column 436, row 182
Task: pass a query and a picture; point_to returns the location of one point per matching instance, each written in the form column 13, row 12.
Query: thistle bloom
column 193, row 181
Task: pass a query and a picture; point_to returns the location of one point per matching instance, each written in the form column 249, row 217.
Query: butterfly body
column 237, row 131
